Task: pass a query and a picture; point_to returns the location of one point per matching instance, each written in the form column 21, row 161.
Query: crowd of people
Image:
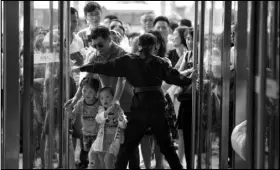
column 126, row 88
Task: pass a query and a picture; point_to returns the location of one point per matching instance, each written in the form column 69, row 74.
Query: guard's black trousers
column 147, row 111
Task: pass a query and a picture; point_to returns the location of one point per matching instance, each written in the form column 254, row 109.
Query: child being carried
column 111, row 121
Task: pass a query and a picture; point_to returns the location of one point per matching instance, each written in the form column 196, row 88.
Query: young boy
column 87, row 106
column 110, row 135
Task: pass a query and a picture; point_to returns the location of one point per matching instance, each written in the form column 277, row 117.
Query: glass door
column 35, row 130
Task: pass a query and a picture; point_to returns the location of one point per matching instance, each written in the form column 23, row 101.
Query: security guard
column 145, row 72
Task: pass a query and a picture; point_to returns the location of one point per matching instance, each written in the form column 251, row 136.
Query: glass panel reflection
column 46, row 85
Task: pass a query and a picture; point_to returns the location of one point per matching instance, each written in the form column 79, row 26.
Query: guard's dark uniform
column 146, row 76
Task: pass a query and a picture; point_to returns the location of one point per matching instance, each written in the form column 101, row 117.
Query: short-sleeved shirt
column 84, row 34
column 88, row 114
column 114, row 53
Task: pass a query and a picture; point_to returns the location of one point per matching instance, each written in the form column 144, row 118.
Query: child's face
column 88, row 93
column 106, row 98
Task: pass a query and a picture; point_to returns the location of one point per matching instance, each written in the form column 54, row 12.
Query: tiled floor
column 215, row 162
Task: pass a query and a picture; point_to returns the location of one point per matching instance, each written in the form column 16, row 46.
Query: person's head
column 119, row 29
column 100, row 39
column 106, row 95
column 178, row 37
column 160, row 49
column 146, row 21
column 74, row 19
column 127, row 28
column 185, row 22
column 115, row 36
column 147, row 43
column 132, row 36
column 90, row 88
column 173, row 26
column 162, row 24
column 189, row 38
column 92, row 12
column 115, row 22
column 108, row 18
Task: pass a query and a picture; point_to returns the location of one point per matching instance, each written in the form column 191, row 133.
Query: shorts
column 88, row 140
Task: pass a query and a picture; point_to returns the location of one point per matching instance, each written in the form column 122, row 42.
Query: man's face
column 147, row 22
column 115, row 23
column 162, row 26
column 74, row 22
column 101, row 45
column 94, row 17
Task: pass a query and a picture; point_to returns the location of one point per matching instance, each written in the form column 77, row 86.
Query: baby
column 111, row 121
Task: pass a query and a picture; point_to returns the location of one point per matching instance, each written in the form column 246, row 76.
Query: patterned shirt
column 89, row 112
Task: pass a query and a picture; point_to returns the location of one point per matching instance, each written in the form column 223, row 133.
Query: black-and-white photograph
column 139, row 84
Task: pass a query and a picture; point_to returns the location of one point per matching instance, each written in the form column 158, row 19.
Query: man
column 92, row 12
column 107, row 50
column 162, row 24
column 107, row 20
column 146, row 21
column 146, row 73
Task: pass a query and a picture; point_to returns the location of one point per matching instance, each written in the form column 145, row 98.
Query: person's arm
column 179, row 62
column 172, row 76
column 122, row 121
column 71, row 102
column 101, row 116
column 182, row 63
column 119, row 90
column 77, row 110
column 115, row 68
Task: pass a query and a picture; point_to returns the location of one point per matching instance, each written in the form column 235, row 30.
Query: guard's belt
column 147, row 89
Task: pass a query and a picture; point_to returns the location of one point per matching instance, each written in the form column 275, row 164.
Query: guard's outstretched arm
column 115, row 68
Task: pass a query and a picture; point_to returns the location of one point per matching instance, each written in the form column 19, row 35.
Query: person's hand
column 116, row 102
column 193, row 75
column 69, row 104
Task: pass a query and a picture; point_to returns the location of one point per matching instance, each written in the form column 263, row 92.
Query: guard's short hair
column 147, row 39
column 91, row 6
column 100, row 31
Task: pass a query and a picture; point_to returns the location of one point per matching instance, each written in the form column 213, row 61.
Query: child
column 110, row 135
column 87, row 106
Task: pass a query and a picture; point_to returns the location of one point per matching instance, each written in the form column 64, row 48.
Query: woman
column 180, row 46
column 145, row 72
column 184, row 121
column 148, row 140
